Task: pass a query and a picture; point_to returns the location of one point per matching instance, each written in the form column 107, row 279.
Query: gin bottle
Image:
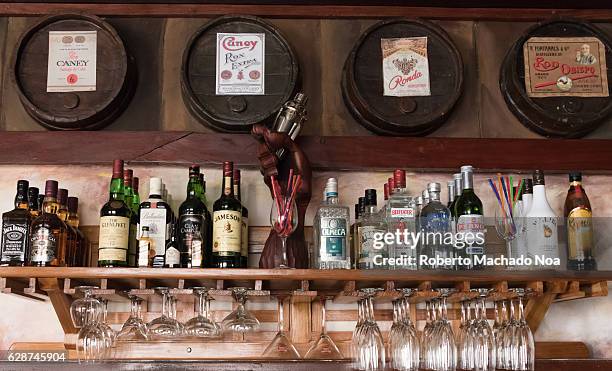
column 436, row 224
column 371, row 227
column 401, row 221
column 331, row 227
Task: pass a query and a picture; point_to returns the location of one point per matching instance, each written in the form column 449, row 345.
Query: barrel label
column 405, row 67
column 240, row 64
column 565, row 67
column 71, row 62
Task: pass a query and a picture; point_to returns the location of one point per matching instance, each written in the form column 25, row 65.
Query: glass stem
column 323, row 314
column 201, row 308
column 521, row 309
column 134, row 310
column 284, row 262
column 165, row 304
column 280, row 316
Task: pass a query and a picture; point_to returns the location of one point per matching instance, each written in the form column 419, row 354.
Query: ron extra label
column 227, row 232
column 333, row 239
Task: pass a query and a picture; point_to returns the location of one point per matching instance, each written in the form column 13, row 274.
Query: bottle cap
column 62, row 196
column 528, row 186
column 538, row 177
column 434, row 187
column 425, row 194
column 399, row 177
column 236, row 176
column 145, row 228
column 118, row 169
column 194, row 169
column 386, row 190
column 419, row 200
column 467, row 169
column 575, row 176
column 228, row 168
column 73, row 204
column 128, row 177
column 22, row 185
column 370, row 197
column 33, row 193
column 457, row 176
column 361, row 203
column 450, row 183
column 155, row 186
column 51, row 188
column 135, row 184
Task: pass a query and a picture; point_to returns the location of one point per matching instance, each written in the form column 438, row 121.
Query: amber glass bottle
column 579, row 223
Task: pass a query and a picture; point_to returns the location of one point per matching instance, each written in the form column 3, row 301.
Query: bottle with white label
column 541, row 223
column 401, row 218
column 156, row 214
column 469, row 224
column 371, row 255
column 114, row 224
column 172, row 259
column 146, row 253
column 227, row 224
column 330, row 228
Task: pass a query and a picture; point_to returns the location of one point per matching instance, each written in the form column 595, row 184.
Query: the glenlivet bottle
column 244, row 237
column 470, row 219
column 156, row 214
column 227, row 224
column 47, row 231
column 16, row 229
column 192, row 221
column 114, row 223
column 579, row 222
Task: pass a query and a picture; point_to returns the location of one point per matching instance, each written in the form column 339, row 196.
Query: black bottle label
column 43, row 244
column 189, row 224
column 14, row 241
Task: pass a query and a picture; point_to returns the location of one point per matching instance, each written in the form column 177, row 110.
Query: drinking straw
column 495, row 191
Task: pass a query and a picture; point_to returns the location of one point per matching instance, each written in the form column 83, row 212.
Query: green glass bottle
column 135, row 197
column 469, row 221
column 128, row 180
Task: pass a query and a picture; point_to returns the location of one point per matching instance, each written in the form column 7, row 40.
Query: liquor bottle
column 146, row 252
column 401, row 220
column 156, row 214
column 41, row 199
column 244, row 236
column 71, row 234
column 436, row 223
column 128, row 191
column 114, row 223
column 352, row 237
column 450, row 185
column 469, row 219
column 227, row 224
column 81, row 256
column 370, row 226
column 458, row 191
column 527, row 195
column 16, row 229
column 355, row 233
column 135, row 197
column 192, row 219
column 579, row 222
column 425, row 195
column 331, row 231
column 419, row 205
column 33, row 206
column 207, row 242
column 542, row 238
column 47, row 232
column 382, row 212
column 172, row 259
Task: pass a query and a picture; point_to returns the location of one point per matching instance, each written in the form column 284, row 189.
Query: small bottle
column 579, row 222
column 33, row 206
column 542, row 234
column 172, row 257
column 16, row 230
column 146, row 251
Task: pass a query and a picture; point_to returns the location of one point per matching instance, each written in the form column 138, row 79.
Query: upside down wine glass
column 134, row 329
column 281, row 346
column 324, row 347
column 164, row 326
column 202, row 325
column 284, row 220
column 240, row 320
column 85, row 309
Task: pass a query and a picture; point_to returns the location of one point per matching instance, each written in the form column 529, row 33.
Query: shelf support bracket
column 60, row 301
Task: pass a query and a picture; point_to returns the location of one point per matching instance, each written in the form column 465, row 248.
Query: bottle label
column 144, row 253
column 542, row 239
column 43, row 245
column 196, row 253
column 402, row 212
column 14, row 241
column 227, row 231
column 333, row 239
column 114, row 238
column 366, row 245
column 173, row 256
column 155, row 219
column 244, row 238
column 579, row 234
column 468, row 227
column 189, row 224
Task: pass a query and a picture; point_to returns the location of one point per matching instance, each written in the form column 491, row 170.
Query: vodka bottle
column 436, row 224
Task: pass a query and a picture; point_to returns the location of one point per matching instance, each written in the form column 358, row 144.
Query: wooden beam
column 60, row 301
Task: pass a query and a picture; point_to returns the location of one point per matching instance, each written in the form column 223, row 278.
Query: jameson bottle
column 16, row 229
column 33, row 206
column 156, row 214
column 227, row 224
column 81, row 258
column 128, row 181
column 47, row 232
column 244, row 236
column 114, row 223
column 579, row 222
column 192, row 221
column 469, row 221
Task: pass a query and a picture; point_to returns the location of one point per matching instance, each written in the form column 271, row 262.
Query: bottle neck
column 21, row 199
column 237, row 191
column 73, row 220
column 50, row 205
column 192, row 187
column 144, row 234
column 227, row 188
column 332, row 199
column 370, row 209
column 467, row 180
column 451, row 194
column 116, row 189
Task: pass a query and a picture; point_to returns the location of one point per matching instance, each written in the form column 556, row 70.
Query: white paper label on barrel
column 72, row 61
column 405, row 67
column 240, row 64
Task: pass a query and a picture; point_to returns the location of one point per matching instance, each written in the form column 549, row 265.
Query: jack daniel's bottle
column 16, row 229
column 227, row 224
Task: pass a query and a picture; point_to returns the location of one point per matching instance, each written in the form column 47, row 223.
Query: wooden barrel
column 558, row 98
column 115, row 76
column 230, row 105
column 432, row 75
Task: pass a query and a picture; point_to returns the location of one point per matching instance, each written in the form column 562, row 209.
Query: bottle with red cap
column 401, row 221
column 47, row 236
column 114, row 223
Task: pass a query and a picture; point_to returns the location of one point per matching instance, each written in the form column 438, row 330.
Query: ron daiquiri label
column 579, row 233
column 565, row 66
column 227, row 231
column 114, row 238
column 14, row 242
column 71, row 62
column 240, row 64
column 405, row 67
column 333, row 239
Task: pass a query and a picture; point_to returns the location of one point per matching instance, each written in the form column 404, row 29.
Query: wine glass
column 506, row 228
column 284, row 220
column 202, row 326
column 324, row 347
column 134, row 328
column 403, row 339
column 240, row 320
column 368, row 344
column 484, row 349
column 109, row 333
column 164, row 326
column 281, row 346
column 91, row 345
column 522, row 343
column 85, row 309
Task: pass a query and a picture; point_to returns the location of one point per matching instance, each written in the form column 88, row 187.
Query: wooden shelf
column 325, row 153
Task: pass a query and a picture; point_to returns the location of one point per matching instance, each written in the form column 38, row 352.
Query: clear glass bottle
column 370, row 226
column 419, row 205
column 435, row 222
column 330, row 226
column 470, row 220
column 401, row 221
column 542, row 234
